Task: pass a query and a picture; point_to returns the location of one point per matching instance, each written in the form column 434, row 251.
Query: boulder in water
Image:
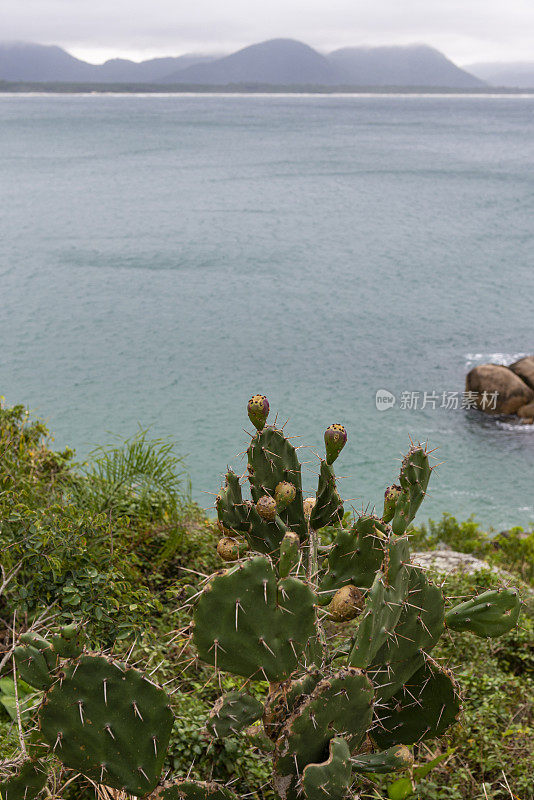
column 498, row 390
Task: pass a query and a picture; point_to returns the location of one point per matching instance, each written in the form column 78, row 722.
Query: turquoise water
column 163, row 258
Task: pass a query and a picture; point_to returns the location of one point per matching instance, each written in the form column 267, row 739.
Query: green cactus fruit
column 283, row 700
column 417, row 631
column 247, row 623
column 423, row 709
column 69, row 642
column 355, row 556
column 346, row 604
column 25, row 784
column 491, row 613
column 308, row 506
column 391, row 496
column 395, row 759
column 193, row 790
column 258, row 410
column 335, row 439
column 284, row 494
column 232, row 713
column 330, row 780
column 231, row 549
column 328, row 506
column 272, row 460
column 33, row 665
column 289, row 554
column 109, row 723
column 266, row 507
column 340, row 705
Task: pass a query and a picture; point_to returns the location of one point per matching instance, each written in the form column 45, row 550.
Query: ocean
column 165, row 257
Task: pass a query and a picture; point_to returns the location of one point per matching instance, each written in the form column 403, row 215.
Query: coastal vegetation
column 116, row 548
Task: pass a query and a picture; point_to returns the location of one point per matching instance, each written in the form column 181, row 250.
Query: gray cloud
column 467, row 30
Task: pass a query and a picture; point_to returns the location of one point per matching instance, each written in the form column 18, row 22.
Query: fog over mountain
column 516, row 74
column 416, row 65
column 23, row 61
column 277, row 62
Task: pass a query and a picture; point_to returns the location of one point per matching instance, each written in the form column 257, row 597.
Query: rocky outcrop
column 501, row 390
column 524, row 369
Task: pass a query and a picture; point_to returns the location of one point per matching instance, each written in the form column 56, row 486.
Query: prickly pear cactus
column 344, row 700
column 100, row 718
column 342, row 634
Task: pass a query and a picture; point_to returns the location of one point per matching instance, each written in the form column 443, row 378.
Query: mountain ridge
column 275, row 62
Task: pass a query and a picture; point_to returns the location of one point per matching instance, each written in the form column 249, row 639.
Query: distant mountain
column 414, row 65
column 21, row 61
column 515, row 74
column 275, row 62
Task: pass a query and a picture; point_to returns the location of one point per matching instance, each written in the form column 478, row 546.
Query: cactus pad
column 35, row 661
column 355, row 557
column 69, row 642
column 26, row 784
column 394, row 759
column 247, row 623
column 273, row 460
column 423, row 709
column 491, row 613
column 194, row 790
column 289, row 554
column 418, row 629
column 340, row 705
column 232, row 712
column 109, row 723
column 328, row 507
column 330, row 780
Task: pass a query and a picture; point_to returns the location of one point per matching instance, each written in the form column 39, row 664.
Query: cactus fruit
column 25, row 784
column 258, row 410
column 346, row 604
column 491, row 613
column 308, row 505
column 330, row 780
column 266, row 507
column 284, row 494
column 232, row 713
column 230, row 549
column 335, row 439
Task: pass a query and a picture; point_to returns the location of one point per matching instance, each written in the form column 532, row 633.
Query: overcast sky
column 466, row 30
